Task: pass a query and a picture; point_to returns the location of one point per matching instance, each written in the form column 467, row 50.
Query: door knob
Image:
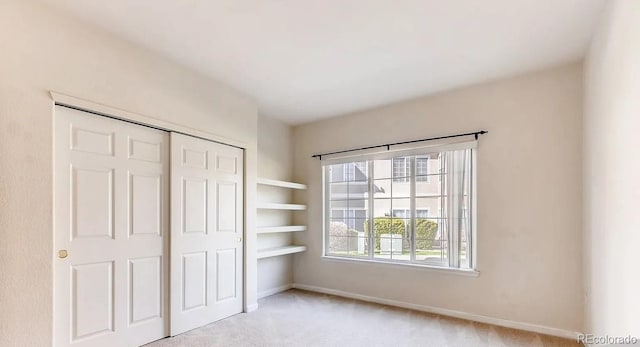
column 62, row 253
column 239, row 239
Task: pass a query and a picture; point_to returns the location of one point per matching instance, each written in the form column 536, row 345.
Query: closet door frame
column 249, row 267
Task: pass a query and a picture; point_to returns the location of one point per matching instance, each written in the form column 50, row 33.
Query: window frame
column 471, row 249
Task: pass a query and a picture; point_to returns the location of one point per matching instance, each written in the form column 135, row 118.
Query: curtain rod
column 388, row 145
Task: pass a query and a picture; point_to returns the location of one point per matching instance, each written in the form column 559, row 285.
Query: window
column 389, row 210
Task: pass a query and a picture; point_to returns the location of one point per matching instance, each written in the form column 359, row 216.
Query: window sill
column 451, row 271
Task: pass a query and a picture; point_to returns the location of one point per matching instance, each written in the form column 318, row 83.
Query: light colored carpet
column 300, row 318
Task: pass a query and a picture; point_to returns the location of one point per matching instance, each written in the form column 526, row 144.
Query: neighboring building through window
column 353, row 170
column 405, row 213
column 353, row 218
column 422, row 168
column 401, row 169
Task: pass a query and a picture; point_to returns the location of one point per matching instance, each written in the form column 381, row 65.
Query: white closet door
column 206, row 232
column 111, row 225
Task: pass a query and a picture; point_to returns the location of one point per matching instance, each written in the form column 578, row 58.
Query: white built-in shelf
column 283, row 184
column 274, row 206
column 274, row 252
column 282, row 229
column 289, row 249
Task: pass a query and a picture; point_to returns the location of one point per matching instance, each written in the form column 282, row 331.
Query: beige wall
column 41, row 50
column 529, row 199
column 274, row 162
column 612, row 173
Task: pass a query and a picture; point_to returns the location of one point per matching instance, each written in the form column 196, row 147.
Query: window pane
column 356, row 205
column 427, row 230
column 361, row 171
column 382, row 168
column 422, row 213
column 338, row 205
column 459, row 167
column 335, row 173
column 356, row 171
column 338, row 227
column 392, row 238
column 401, row 204
column 431, row 207
column 422, row 167
column 428, row 164
column 401, row 213
column 465, row 234
column 382, row 188
column 338, row 191
column 352, row 218
column 358, row 247
column 338, row 245
column 381, row 208
column 431, row 242
column 346, row 241
column 430, row 185
column 358, row 190
column 353, row 224
column 348, row 194
column 464, row 255
column 432, row 253
column 401, row 169
column 358, row 225
column 405, row 253
column 401, row 188
column 349, row 172
column 382, row 234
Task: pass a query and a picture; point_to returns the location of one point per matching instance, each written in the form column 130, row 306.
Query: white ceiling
column 308, row 59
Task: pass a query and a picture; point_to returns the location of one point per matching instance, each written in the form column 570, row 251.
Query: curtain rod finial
column 482, row 132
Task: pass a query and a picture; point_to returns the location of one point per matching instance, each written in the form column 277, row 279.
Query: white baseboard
column 276, row 290
column 251, row 308
column 445, row 312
